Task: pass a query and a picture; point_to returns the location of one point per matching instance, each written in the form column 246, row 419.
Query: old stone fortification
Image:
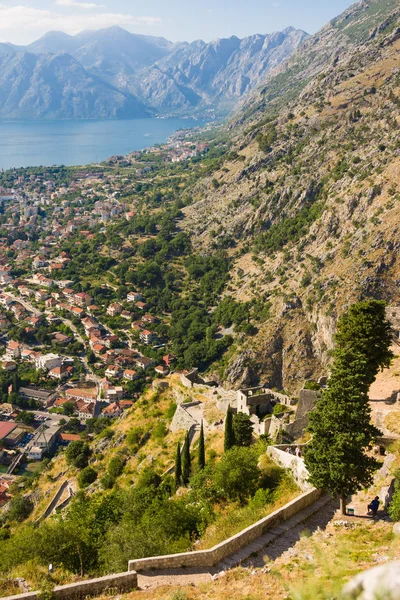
column 293, row 463
column 111, row 584
column 209, row 558
column 289, row 425
column 194, row 380
column 183, row 419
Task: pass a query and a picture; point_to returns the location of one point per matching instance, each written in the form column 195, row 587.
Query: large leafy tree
column 341, row 422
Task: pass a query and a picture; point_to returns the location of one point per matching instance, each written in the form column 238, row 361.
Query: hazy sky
column 22, row 21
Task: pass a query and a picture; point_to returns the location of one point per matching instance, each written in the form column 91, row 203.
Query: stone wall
column 294, row 464
column 111, row 584
column 182, row 418
column 208, row 558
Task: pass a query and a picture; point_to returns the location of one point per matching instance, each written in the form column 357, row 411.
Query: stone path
column 279, row 538
column 266, row 548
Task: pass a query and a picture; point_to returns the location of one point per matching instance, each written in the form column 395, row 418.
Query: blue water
column 35, row 143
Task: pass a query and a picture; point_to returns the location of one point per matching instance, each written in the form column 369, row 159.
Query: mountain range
column 112, row 73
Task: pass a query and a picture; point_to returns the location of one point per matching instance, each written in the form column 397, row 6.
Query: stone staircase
column 272, row 535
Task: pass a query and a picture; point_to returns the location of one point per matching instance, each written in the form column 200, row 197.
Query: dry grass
column 392, row 422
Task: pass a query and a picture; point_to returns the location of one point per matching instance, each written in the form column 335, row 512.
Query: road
column 26, row 305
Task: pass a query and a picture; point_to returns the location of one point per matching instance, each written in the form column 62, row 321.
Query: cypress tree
column 340, row 424
column 229, row 439
column 178, row 466
column 186, row 461
column 202, row 453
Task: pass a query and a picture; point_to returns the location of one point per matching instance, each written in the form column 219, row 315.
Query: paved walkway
column 264, row 549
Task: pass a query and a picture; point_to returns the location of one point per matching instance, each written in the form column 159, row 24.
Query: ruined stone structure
column 260, row 401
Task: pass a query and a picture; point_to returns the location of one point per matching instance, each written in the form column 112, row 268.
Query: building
column 67, row 438
column 35, row 453
column 48, row 361
column 113, row 371
column 86, row 410
column 14, row 436
column 114, row 309
column 130, row 375
column 59, row 373
column 43, row 396
column 112, row 410
column 145, row 363
column 134, row 297
column 260, row 401
column 148, row 337
column 82, row 299
column 5, row 429
column 13, row 350
column 85, row 394
column 47, row 437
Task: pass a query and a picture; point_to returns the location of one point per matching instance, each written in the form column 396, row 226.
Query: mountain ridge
column 152, row 74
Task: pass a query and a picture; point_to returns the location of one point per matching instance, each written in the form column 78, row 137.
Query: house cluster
column 56, row 366
column 105, row 400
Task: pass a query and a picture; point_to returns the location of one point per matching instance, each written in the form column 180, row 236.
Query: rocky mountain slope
column 307, row 198
column 137, row 70
column 56, row 86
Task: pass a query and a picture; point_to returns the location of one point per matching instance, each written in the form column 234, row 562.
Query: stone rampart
column 293, row 463
column 111, row 584
column 208, row 558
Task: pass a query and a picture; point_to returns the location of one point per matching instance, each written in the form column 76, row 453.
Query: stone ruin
column 259, row 404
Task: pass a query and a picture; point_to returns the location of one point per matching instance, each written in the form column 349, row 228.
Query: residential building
column 148, row 337
column 114, row 309
column 48, row 361
column 130, row 375
column 134, row 297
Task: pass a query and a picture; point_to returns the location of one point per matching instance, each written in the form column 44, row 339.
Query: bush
column 236, row 476
column 107, row 481
column 116, row 466
column 77, row 454
column 20, row 508
column 86, row 477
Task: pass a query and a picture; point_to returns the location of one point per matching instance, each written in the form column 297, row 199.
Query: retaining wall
column 122, row 582
column 208, row 558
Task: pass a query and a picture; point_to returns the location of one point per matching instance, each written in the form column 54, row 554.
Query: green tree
column 229, row 438
column 186, row 461
column 201, row 450
column 20, row 508
column 340, row 425
column 77, row 454
column 236, row 476
column 86, row 477
column 178, row 466
column 27, row 418
column 363, row 329
column 116, row 466
column 242, row 429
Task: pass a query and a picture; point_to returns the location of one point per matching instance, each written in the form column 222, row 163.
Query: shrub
column 116, row 466
column 20, row 508
column 236, row 476
column 86, row 477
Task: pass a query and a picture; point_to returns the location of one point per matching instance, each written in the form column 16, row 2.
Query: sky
column 23, row 21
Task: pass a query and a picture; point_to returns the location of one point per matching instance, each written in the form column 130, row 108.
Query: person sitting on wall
column 373, row 506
